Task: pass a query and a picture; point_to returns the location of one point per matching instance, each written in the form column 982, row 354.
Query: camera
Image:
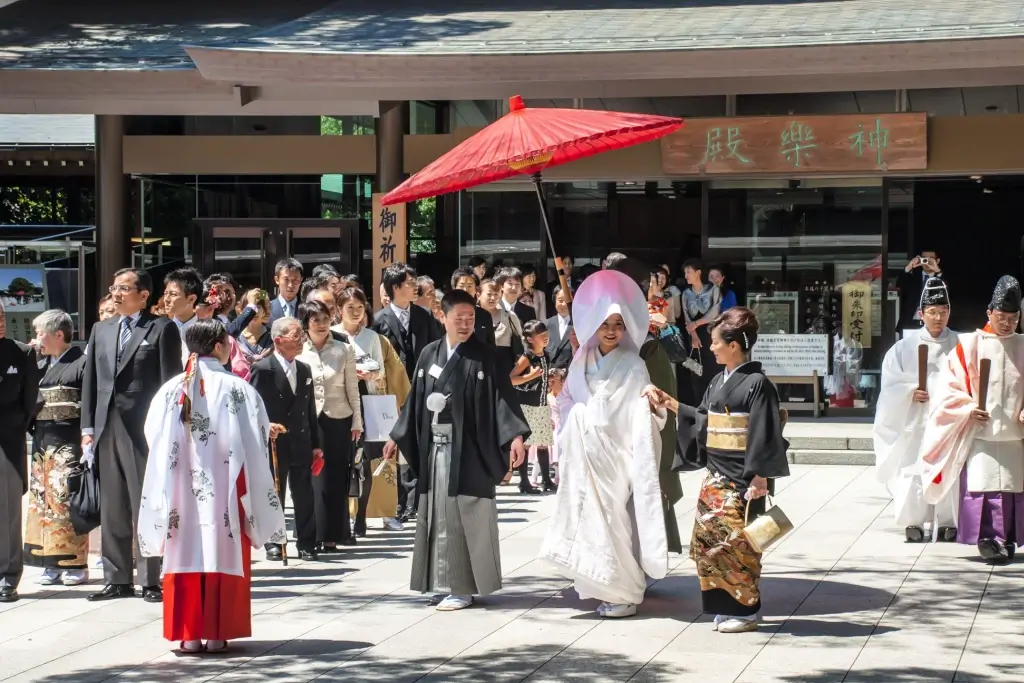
column 925, row 261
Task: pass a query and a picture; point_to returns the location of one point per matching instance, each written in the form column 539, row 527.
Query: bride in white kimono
column 608, row 529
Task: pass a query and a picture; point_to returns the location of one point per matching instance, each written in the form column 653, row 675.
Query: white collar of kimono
column 601, row 296
column 211, row 363
column 727, row 373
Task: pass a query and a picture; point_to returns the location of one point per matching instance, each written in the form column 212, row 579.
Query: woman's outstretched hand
column 659, row 399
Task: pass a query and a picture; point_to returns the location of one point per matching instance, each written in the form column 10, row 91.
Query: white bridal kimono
column 899, row 429
column 190, row 502
column 608, row 529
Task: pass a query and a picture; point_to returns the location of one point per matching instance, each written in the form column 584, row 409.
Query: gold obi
column 61, row 404
column 728, row 432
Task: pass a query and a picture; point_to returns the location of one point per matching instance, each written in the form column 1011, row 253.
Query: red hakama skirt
column 200, row 606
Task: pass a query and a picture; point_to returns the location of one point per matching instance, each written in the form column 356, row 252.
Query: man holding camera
column 911, row 284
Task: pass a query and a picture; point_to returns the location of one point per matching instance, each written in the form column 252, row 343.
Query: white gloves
column 88, row 456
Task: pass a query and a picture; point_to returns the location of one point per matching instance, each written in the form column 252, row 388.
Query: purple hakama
column 995, row 515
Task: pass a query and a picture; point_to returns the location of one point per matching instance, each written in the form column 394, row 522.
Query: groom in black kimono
column 458, row 427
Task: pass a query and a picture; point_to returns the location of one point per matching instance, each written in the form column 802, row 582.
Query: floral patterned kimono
column 50, row 540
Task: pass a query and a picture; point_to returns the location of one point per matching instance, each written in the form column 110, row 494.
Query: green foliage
column 28, row 205
column 423, row 226
column 20, row 284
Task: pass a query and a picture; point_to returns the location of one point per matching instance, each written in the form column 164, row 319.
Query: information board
column 23, row 293
column 792, row 355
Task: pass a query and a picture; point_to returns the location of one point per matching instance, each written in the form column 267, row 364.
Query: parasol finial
column 515, row 103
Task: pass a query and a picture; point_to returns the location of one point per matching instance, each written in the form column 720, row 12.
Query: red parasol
column 528, row 141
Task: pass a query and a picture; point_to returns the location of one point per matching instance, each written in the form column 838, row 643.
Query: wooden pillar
column 113, row 240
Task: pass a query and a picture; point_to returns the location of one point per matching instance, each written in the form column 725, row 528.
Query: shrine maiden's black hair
column 202, row 336
column 737, row 325
column 533, row 328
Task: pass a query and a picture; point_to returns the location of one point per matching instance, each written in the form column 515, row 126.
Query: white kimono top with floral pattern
column 190, row 512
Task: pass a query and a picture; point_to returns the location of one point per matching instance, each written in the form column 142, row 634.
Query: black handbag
column 84, row 498
column 672, row 340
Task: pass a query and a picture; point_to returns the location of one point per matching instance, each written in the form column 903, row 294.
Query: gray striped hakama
column 456, row 548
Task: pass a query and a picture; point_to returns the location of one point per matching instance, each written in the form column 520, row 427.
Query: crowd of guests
column 312, row 352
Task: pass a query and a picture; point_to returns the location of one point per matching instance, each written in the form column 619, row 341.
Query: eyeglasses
column 123, row 289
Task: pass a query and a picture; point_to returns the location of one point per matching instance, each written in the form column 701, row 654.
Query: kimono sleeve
column 166, row 436
column 766, row 449
column 510, row 422
column 896, row 415
column 406, row 430
column 264, row 514
column 691, row 436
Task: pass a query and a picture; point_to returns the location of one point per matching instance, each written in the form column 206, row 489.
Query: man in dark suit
column 228, row 287
column 466, row 279
column 131, row 355
column 286, row 387
column 559, row 325
column 911, row 283
column 510, row 282
column 409, row 328
column 288, row 278
column 19, row 388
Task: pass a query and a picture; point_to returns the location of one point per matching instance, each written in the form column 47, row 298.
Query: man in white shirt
column 182, row 288
column 559, row 325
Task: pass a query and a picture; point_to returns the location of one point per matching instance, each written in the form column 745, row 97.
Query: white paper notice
column 380, row 413
column 792, row 355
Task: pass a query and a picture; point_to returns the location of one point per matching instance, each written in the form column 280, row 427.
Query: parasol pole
column 559, row 265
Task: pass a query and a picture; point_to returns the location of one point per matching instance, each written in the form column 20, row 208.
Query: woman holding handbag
column 380, row 371
column 736, row 433
column 340, row 416
column 701, row 305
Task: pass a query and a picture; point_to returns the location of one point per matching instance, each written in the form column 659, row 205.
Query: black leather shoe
column 113, row 591
column 9, row 594
column 550, row 488
column 993, row 551
column 309, row 555
column 347, row 541
column 947, row 534
column 153, row 594
column 528, row 490
column 915, row 534
column 1011, row 550
column 274, row 554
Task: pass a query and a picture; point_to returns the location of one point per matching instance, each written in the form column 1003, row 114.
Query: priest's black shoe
column 947, row 534
column 308, row 555
column 351, row 540
column 274, row 554
column 113, row 591
column 993, row 551
column 8, row 594
column 1011, row 550
column 915, row 534
column 550, row 488
column 153, row 594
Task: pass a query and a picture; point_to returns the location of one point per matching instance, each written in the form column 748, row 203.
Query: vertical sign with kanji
column 389, row 241
column 857, row 312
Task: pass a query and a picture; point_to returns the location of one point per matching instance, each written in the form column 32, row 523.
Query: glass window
column 503, row 227
column 798, row 257
column 477, row 113
column 348, row 125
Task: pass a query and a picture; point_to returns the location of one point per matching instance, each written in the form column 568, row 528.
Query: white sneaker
column 455, row 602
column 392, row 524
column 738, row 624
column 618, row 611
column 76, row 577
column 49, row 577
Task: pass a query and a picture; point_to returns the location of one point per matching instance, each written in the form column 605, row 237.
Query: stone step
column 830, row 443
column 822, row 456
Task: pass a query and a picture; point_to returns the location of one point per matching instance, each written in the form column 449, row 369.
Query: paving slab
column 845, row 599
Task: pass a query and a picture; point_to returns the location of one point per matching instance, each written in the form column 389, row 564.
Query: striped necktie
column 126, row 333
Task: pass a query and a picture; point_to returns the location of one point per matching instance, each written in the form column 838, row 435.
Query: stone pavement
column 845, row 600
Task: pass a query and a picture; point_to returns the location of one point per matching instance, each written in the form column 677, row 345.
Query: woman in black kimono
column 736, row 433
column 50, row 540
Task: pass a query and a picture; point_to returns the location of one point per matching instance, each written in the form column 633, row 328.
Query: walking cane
column 277, row 485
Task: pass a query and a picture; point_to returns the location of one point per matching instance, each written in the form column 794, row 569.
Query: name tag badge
column 435, row 371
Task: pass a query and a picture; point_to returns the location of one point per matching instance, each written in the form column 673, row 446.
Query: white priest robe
column 993, row 452
column 899, row 429
column 208, row 492
column 608, row 528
